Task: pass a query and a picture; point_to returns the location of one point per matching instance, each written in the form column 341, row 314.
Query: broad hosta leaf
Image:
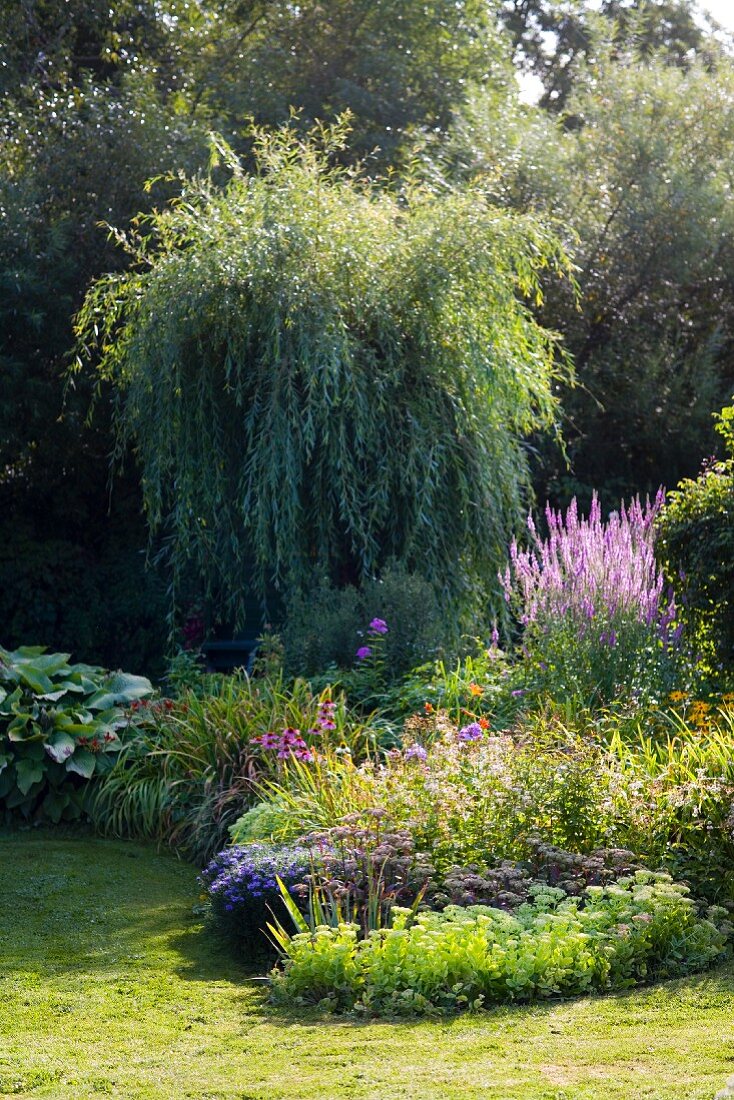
column 28, row 772
column 60, row 747
column 120, row 688
column 82, row 762
column 23, row 728
column 11, row 703
column 37, row 681
column 68, row 685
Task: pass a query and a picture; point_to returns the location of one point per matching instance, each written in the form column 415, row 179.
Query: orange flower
column 428, row 708
column 484, row 723
column 474, row 689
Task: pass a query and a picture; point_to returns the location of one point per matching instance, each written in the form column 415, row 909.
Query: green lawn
column 109, row 988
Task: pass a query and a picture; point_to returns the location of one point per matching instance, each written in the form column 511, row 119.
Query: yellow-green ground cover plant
column 635, row 929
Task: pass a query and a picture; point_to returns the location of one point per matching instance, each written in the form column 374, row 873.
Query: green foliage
column 395, row 65
column 332, row 375
column 326, row 625
column 674, row 796
column 696, row 540
column 623, row 934
column 470, row 801
column 637, row 172
column 484, row 684
column 59, row 724
column 70, row 562
column 555, row 41
column 657, row 783
column 195, row 764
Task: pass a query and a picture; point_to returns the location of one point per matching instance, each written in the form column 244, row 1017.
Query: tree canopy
column 319, row 372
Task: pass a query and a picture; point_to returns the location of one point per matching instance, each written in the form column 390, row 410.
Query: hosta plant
column 60, row 724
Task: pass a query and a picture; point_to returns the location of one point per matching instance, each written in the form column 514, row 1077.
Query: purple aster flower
column 472, row 732
column 415, row 752
column 363, row 652
column 378, row 626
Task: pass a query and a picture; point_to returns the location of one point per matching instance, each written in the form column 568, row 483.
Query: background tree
column 556, row 39
column 641, row 190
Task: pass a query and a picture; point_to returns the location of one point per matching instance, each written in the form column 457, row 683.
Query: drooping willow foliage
column 321, row 372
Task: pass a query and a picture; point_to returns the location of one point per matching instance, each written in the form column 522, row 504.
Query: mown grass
column 109, row 988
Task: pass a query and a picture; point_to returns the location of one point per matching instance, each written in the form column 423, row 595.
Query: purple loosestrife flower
column 472, row 732
column 363, row 653
column 378, row 626
column 589, row 569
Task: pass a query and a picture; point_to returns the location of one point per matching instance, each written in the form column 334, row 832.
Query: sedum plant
column 636, row 929
column 60, row 724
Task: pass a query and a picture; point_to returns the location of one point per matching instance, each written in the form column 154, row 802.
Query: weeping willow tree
column 321, row 373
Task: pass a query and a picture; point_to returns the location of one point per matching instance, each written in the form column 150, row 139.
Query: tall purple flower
column 363, row 653
column 590, row 570
column 378, row 626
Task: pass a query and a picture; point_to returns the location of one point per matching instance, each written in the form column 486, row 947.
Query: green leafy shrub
column 333, row 374
column 696, row 543
column 325, row 625
column 60, row 724
column 631, row 931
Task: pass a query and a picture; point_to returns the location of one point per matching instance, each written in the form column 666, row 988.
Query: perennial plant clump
column 241, row 884
column 590, row 597
column 60, row 725
column 362, row 867
column 428, row 963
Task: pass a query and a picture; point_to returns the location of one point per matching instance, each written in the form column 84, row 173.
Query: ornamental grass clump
column 597, row 622
column 637, row 929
